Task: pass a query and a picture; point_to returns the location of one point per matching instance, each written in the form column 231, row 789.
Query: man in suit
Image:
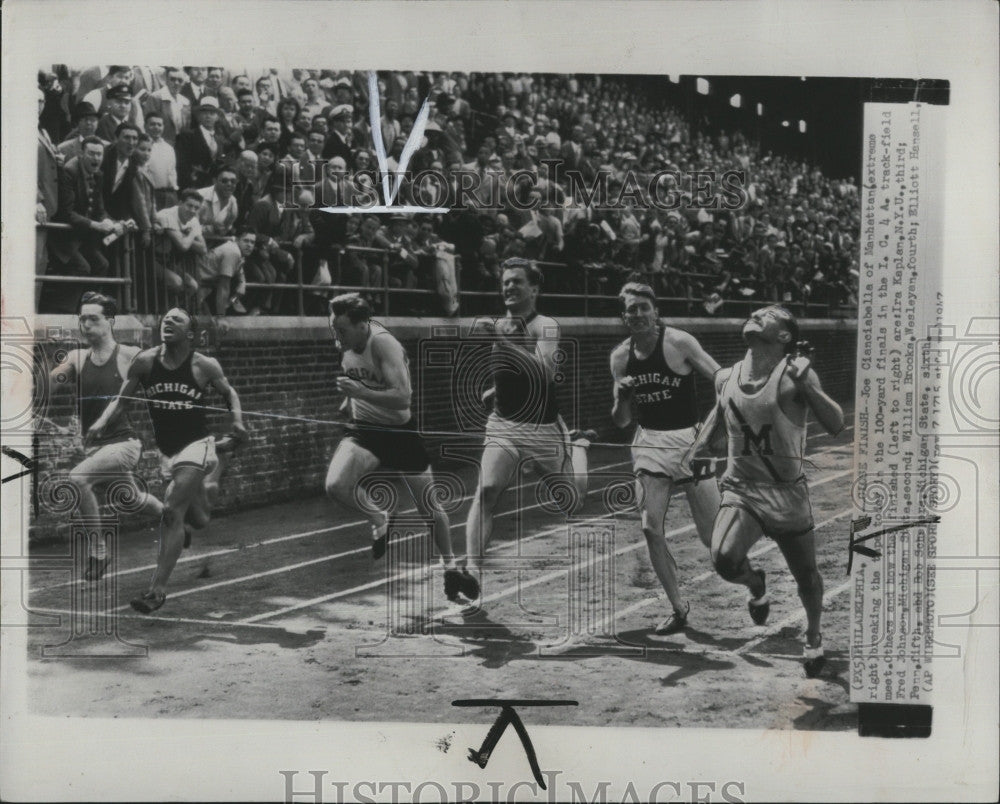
column 195, row 86
column 81, row 206
column 85, row 116
column 200, row 149
column 120, row 110
column 118, row 174
column 47, row 198
column 339, row 141
column 171, row 105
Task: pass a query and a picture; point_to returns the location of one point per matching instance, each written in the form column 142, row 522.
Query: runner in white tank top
column 382, row 433
column 762, row 402
column 365, row 369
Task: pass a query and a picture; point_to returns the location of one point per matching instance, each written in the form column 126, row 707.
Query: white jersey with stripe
column 363, row 368
column 764, row 444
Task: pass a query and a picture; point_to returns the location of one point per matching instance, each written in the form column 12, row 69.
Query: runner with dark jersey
column 525, row 427
column 762, row 404
column 99, row 369
column 383, row 434
column 174, row 379
column 654, row 375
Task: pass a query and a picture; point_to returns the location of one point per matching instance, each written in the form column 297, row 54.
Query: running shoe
column 674, row 623
column 381, row 543
column 149, row 602
column 452, row 584
column 760, row 607
column 813, row 659
column 468, row 585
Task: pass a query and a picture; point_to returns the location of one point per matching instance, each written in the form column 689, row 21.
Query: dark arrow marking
column 508, row 717
column 855, row 546
column 30, row 465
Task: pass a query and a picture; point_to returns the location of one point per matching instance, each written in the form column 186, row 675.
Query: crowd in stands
column 218, row 175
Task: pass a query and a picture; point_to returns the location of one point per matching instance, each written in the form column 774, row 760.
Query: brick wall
column 284, row 371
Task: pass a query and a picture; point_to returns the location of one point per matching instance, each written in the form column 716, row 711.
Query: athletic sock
column 98, row 549
column 378, row 531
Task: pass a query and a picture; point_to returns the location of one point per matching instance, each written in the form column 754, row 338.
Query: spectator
column 246, row 190
column 288, row 112
column 119, row 174
column 118, row 76
column 195, row 86
column 330, row 230
column 221, row 275
column 275, row 225
column 247, row 118
column 214, row 88
column 266, row 100
column 402, row 262
column 270, row 135
column 294, row 157
column 391, row 128
column 181, row 239
column 82, row 206
column 144, row 193
column 320, row 124
column 338, row 143
column 47, row 197
column 119, row 104
column 199, row 149
column 162, row 164
column 173, row 107
column 267, row 159
column 145, row 81
column 219, row 212
column 316, row 102
column 362, row 268
column 86, row 118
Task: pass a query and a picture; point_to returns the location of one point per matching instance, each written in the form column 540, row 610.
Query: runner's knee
column 171, row 514
column 729, row 566
column 809, row 581
column 651, row 534
column 489, row 495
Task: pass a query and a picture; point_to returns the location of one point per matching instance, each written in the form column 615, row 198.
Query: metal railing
column 149, row 278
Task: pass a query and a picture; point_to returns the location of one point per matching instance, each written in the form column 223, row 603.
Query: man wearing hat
column 116, row 76
column 120, row 110
column 200, row 148
column 86, row 117
column 339, row 141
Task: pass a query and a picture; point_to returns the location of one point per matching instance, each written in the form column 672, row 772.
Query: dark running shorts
column 398, row 447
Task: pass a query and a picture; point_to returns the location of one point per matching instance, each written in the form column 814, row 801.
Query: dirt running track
column 273, row 614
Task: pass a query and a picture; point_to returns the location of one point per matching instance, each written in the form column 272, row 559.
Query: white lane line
column 332, row 557
column 510, row 590
column 305, row 534
column 790, row 620
column 190, row 620
column 763, row 549
column 293, row 536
